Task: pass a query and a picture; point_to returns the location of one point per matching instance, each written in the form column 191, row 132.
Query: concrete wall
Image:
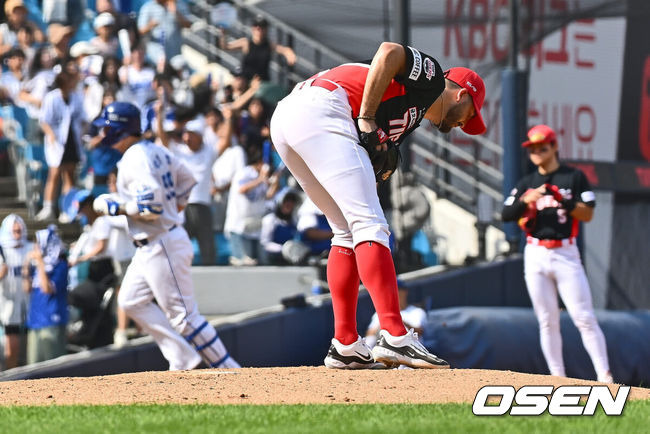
column 228, row 290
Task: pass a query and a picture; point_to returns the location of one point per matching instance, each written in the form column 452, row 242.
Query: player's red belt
column 321, row 82
column 550, row 244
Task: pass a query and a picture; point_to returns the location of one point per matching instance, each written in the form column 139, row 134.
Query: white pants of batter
column 162, row 270
column 559, row 270
column 314, row 133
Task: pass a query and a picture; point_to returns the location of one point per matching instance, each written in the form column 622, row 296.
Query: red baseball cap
column 470, row 80
column 540, row 134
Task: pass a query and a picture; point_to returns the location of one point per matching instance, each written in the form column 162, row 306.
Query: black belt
column 144, row 241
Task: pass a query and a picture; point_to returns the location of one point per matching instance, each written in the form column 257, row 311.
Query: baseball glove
column 393, row 158
column 383, row 162
column 528, row 219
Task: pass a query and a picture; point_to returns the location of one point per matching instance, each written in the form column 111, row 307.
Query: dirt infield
column 300, row 385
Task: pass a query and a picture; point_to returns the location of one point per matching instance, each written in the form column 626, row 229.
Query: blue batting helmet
column 120, row 119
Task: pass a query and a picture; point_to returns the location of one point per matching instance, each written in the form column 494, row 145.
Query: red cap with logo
column 540, row 134
column 470, row 80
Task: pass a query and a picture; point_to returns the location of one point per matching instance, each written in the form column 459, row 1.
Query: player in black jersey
column 332, row 132
column 549, row 204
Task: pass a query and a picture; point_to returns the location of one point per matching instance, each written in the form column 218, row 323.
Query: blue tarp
column 507, row 338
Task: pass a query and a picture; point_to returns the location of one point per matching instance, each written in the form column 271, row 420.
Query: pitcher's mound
column 299, row 385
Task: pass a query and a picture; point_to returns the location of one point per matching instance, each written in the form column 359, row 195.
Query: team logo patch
column 429, row 68
column 469, row 83
column 417, row 65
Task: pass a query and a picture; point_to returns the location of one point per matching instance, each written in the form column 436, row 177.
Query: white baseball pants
column 314, row 133
column 559, row 270
column 161, row 270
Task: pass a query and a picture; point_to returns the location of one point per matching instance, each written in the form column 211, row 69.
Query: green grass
column 331, row 419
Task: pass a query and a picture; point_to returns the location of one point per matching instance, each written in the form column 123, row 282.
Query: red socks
column 377, row 272
column 343, row 280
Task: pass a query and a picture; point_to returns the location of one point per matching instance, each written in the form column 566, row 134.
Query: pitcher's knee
column 585, row 321
column 549, row 322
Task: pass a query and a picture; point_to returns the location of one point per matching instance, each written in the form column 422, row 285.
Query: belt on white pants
column 550, row 244
column 318, row 82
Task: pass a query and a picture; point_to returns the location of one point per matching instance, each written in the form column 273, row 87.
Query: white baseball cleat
column 354, row 356
column 407, row 350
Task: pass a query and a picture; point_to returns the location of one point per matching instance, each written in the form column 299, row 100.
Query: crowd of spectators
column 62, row 71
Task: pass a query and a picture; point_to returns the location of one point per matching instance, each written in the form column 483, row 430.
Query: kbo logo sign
column 564, row 401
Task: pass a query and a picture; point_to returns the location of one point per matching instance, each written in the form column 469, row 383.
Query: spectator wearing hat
column 87, row 58
column 313, row 228
column 199, row 158
column 122, row 20
column 278, row 227
column 414, row 317
column 45, row 279
column 12, row 80
column 62, row 118
column 106, row 42
column 258, row 50
column 160, row 22
column 16, row 13
column 60, row 36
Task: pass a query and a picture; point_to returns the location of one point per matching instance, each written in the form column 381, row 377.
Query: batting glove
column 106, row 204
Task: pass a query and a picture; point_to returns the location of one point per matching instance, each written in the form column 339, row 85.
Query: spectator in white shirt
column 62, row 118
column 11, row 81
column 137, row 76
column 106, row 42
column 14, row 248
column 250, row 189
column 160, row 22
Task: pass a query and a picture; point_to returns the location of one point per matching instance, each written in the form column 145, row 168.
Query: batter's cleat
column 354, row 356
column 407, row 350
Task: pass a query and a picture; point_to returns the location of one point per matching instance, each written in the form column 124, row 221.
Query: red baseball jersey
column 406, row 99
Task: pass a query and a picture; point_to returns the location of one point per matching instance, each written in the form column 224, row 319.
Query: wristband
column 366, row 118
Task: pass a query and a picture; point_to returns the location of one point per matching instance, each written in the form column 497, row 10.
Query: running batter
column 338, row 132
column 153, row 187
column 550, row 203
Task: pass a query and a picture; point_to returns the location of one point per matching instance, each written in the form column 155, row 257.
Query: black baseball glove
column 384, row 163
